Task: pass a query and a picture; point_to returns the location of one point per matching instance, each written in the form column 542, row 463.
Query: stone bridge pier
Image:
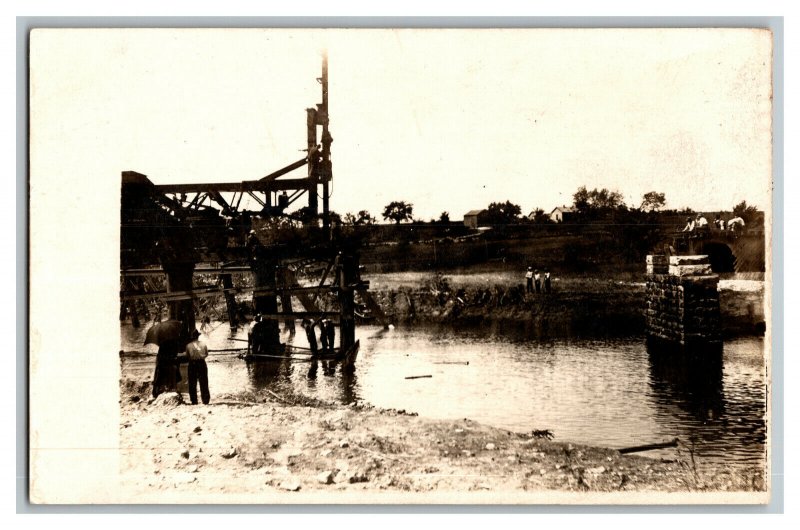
column 682, row 311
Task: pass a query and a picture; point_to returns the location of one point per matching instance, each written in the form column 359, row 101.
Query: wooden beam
column 301, row 314
column 174, row 296
column 291, row 167
column 331, row 265
column 296, row 195
column 201, row 292
column 247, row 185
column 257, row 198
column 160, row 272
column 216, row 196
column 197, row 200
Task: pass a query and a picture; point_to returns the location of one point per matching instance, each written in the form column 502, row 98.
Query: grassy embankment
column 598, row 276
column 577, row 305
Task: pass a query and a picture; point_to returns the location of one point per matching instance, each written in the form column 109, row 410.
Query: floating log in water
column 453, row 362
column 417, row 376
column 648, row 447
column 254, row 357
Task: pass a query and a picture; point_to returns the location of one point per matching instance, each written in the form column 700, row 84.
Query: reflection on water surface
column 600, row 392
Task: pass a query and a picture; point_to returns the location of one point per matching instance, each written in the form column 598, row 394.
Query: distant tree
column 581, row 200
column 606, row 200
column 398, row 211
column 653, row 201
column 539, row 217
column 745, row 211
column 335, row 217
column 597, row 201
column 363, row 217
column 502, row 213
column 444, row 218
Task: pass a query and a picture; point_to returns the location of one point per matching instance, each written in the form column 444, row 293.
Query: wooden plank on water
column 648, row 447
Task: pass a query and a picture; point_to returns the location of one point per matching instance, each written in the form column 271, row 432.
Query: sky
column 448, row 120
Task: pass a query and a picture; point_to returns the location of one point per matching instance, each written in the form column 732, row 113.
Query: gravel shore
column 292, row 449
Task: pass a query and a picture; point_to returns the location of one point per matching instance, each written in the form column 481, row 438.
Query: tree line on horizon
column 588, row 205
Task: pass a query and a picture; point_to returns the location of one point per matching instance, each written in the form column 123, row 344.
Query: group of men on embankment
column 534, row 280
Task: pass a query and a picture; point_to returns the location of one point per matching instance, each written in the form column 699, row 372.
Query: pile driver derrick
column 169, row 229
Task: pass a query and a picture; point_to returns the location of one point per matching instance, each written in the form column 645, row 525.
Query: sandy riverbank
column 294, row 449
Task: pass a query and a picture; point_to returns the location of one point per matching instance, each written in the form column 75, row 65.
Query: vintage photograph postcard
column 468, row 266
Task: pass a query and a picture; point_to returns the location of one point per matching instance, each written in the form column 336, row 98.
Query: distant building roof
column 474, row 212
column 564, row 209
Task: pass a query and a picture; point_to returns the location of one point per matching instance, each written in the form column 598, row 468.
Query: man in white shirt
column 701, row 225
column 736, row 225
column 198, row 370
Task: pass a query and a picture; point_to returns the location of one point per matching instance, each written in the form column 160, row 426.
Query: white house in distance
column 562, row 213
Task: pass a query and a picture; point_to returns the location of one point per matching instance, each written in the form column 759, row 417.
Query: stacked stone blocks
column 682, row 301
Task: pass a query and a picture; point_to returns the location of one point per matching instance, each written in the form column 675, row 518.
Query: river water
column 609, row 393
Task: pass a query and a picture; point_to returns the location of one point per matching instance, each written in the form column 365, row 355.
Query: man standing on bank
column 198, row 370
column 529, row 280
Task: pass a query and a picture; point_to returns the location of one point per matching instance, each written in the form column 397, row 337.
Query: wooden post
column 230, row 300
column 142, row 304
column 286, row 300
column 179, row 278
column 311, row 123
column 325, row 171
column 134, row 314
column 138, row 288
column 264, row 277
column 348, row 276
column 130, row 305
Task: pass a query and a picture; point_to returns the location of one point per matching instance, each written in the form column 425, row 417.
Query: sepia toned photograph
column 401, row 266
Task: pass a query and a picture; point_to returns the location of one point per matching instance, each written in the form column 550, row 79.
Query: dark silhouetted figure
column 323, row 336
column 311, row 336
column 166, row 376
column 198, row 370
column 259, row 336
column 547, row 281
column 329, row 332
